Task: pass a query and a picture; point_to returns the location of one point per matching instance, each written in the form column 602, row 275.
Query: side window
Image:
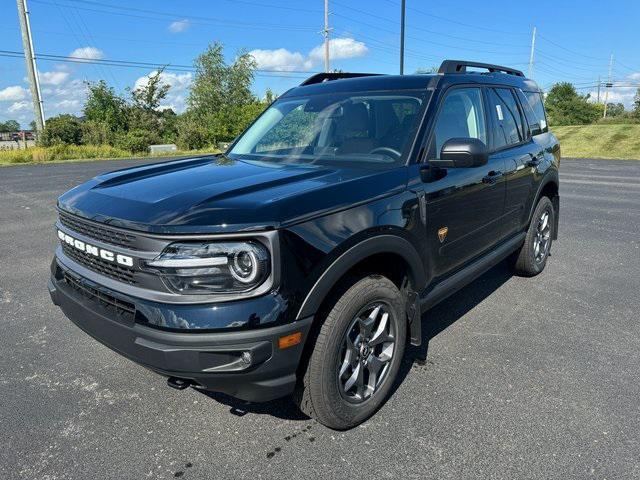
column 461, row 116
column 534, row 99
column 506, row 116
column 529, row 114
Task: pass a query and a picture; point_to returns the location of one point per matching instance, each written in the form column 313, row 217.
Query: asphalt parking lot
column 524, row 378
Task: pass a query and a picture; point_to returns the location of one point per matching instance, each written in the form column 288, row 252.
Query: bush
column 192, row 135
column 619, row 120
column 96, row 133
column 566, row 107
column 61, row 152
column 63, row 129
column 137, row 141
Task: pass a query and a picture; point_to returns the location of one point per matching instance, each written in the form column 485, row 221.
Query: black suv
column 300, row 261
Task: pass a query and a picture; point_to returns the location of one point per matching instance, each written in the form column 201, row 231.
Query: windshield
column 353, row 128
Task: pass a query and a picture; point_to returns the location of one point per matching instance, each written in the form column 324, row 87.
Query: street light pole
column 402, row 10
column 608, row 86
column 30, row 59
column 325, row 32
column 531, row 57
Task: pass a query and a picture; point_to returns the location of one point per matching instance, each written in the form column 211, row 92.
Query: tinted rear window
column 534, row 99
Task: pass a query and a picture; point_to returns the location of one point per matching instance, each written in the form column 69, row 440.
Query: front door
column 463, row 205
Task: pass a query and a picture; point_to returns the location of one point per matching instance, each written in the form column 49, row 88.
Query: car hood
column 219, row 194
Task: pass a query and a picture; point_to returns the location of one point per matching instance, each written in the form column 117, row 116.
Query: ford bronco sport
column 300, row 261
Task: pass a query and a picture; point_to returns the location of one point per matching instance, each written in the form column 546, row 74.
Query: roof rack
column 460, row 66
column 328, row 76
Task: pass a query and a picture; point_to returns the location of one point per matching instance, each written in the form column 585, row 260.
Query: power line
column 557, row 70
column 570, row 64
column 422, row 29
column 73, row 32
column 244, row 2
column 147, row 65
column 457, row 22
column 422, row 40
column 573, row 52
column 218, row 22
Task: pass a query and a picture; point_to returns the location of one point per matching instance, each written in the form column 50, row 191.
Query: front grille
column 96, row 295
column 109, row 269
column 99, row 232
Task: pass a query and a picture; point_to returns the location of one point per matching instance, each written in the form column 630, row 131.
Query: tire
column 532, row 257
column 322, row 393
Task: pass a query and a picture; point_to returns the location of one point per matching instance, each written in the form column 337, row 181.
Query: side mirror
column 536, row 129
column 461, row 153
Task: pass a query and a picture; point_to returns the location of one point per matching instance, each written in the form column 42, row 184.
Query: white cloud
column 176, row 97
column 53, row 78
column 340, row 48
column 283, row 59
column 69, row 104
column 280, row 59
column 61, row 93
column 177, row 81
column 179, row 26
column 13, row 93
column 88, row 53
column 19, row 106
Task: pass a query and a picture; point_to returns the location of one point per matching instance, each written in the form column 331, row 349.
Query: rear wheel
column 532, row 257
column 356, row 356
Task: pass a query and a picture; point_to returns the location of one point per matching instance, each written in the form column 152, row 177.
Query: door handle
column 492, row 177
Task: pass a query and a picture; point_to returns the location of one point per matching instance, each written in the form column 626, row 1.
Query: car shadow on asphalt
column 434, row 321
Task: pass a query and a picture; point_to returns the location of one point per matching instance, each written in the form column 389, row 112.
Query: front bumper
column 246, row 364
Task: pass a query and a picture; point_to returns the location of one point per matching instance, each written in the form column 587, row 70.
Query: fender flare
column 551, row 177
column 371, row 246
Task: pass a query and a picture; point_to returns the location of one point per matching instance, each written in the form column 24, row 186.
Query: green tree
column 615, row 109
column 103, row 105
column 220, row 95
column 269, row 96
column 62, row 129
column 10, row 126
column 566, row 107
column 427, row 70
column 96, row 133
column 636, row 104
column 144, row 113
column 149, row 95
column 137, row 141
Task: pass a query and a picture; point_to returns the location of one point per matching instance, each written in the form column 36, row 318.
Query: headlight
column 209, row 268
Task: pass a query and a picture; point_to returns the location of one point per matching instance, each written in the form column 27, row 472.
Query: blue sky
column 574, row 42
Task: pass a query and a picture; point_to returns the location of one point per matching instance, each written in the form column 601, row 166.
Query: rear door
column 512, row 143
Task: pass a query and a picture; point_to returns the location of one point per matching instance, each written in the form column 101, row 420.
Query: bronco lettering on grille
column 96, row 251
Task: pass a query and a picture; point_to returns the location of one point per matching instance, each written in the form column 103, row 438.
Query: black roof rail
column 460, row 66
column 328, row 76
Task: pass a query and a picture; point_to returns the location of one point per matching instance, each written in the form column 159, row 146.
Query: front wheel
column 532, row 257
column 356, row 356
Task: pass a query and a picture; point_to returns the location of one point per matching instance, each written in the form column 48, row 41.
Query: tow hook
column 178, row 383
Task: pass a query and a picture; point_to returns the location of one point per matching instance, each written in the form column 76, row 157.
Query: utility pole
column 599, row 82
column 533, row 46
column 325, row 32
column 402, row 10
column 608, row 86
column 30, row 59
